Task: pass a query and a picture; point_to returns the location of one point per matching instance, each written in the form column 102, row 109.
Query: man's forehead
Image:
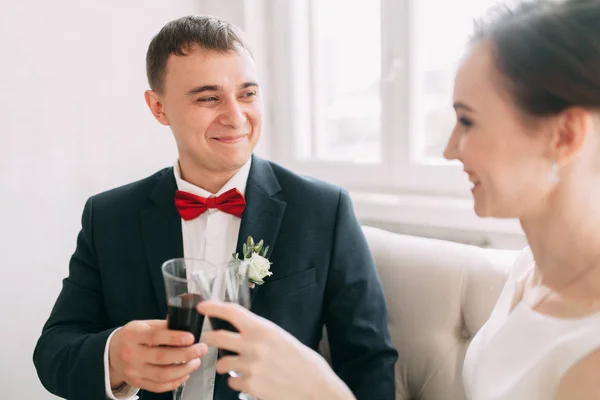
column 210, row 67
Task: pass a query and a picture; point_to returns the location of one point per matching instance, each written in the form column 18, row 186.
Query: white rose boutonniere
column 255, row 261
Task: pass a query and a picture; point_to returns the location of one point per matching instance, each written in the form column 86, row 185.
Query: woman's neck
column 564, row 236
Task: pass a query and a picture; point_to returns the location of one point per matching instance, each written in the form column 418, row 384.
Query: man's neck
column 210, row 181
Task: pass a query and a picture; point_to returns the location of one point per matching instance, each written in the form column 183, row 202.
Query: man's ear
column 156, row 107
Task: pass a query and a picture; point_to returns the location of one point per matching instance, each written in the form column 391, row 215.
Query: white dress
column 522, row 354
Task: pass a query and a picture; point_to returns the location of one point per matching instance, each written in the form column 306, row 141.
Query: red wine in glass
column 183, row 316
column 183, row 296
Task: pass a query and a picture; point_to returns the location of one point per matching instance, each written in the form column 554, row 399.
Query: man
column 204, row 87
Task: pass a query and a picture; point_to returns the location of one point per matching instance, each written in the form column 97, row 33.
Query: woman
column 527, row 101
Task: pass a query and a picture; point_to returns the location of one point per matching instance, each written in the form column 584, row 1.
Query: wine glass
column 187, row 282
column 231, row 285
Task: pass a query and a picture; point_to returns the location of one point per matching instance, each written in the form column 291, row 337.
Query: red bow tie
column 191, row 206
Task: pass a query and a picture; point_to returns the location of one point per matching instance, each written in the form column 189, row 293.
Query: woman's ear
column 571, row 129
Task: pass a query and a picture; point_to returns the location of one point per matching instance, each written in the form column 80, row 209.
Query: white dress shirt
column 212, row 237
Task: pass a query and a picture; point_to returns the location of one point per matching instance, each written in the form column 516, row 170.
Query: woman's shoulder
column 581, row 380
column 521, row 266
column 524, row 262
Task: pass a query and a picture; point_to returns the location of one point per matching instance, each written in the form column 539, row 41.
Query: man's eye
column 206, row 99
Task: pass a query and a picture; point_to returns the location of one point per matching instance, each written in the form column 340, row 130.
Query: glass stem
column 178, row 393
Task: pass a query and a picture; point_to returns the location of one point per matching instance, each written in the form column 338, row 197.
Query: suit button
column 211, row 382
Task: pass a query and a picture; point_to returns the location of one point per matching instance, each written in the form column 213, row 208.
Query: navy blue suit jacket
column 323, row 274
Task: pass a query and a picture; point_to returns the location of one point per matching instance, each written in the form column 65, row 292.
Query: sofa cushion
column 439, row 294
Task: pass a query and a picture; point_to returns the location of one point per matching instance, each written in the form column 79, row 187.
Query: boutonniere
column 255, row 260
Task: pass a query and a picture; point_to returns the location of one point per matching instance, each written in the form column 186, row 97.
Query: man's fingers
column 155, row 333
column 157, row 323
column 161, row 387
column 159, row 336
column 233, row 313
column 225, row 340
column 166, row 374
column 164, row 355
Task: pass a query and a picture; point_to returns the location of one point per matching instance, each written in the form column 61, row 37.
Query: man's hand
column 145, row 354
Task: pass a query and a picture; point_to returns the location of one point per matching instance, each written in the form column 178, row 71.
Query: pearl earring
column 553, row 174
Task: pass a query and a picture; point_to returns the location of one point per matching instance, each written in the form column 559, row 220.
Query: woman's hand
column 272, row 364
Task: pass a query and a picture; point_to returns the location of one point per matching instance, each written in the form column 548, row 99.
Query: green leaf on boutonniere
column 250, row 247
column 248, row 251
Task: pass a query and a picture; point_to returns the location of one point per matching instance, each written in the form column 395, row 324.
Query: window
column 367, row 86
column 345, row 75
column 440, row 31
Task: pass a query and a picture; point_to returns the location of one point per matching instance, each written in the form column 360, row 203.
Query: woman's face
column 504, row 157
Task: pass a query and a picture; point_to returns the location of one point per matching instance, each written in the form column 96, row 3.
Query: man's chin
column 234, row 162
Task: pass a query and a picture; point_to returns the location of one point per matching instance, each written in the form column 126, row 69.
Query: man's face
column 211, row 101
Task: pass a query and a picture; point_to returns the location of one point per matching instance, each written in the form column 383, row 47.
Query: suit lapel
column 161, row 233
column 264, row 212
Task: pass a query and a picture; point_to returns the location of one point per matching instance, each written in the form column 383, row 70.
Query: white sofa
column 439, row 294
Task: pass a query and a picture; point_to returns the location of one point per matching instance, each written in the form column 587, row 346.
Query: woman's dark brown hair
column 547, row 53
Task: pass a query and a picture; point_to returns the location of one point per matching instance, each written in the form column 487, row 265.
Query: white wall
column 73, row 122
